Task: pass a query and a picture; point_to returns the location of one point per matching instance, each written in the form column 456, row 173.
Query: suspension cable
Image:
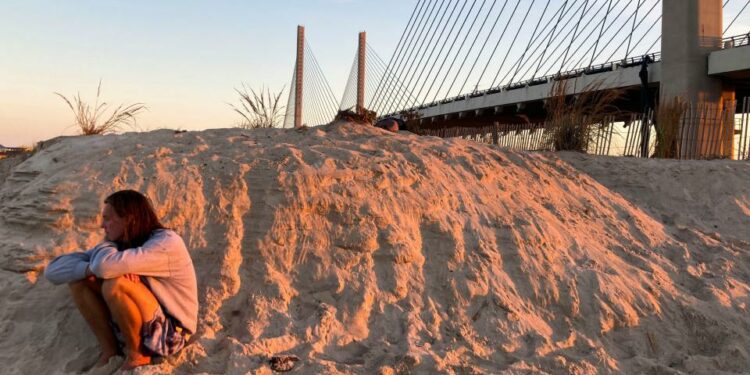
column 651, row 48
column 574, row 38
column 398, row 57
column 460, row 47
column 312, row 112
column 468, row 52
column 401, row 41
column 639, row 24
column 411, row 75
column 647, row 32
column 541, row 60
column 326, row 87
column 602, row 22
column 616, row 34
column 399, row 71
column 630, row 37
column 563, row 12
column 450, row 49
column 515, row 38
column 445, row 41
column 347, row 88
column 614, row 21
column 397, row 85
column 736, row 17
column 484, row 45
column 601, row 31
column 326, row 94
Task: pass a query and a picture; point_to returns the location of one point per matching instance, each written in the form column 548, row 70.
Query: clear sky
column 182, row 58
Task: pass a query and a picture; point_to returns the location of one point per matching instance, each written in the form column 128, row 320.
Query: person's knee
column 77, row 287
column 114, row 288
column 82, row 286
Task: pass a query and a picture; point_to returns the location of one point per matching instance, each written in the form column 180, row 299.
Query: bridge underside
column 526, row 104
column 733, row 66
column 531, row 112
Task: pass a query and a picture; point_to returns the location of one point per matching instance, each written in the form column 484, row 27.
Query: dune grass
column 668, row 118
column 259, row 109
column 94, row 120
column 572, row 120
column 367, row 117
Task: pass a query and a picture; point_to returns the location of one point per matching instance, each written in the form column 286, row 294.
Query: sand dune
column 362, row 251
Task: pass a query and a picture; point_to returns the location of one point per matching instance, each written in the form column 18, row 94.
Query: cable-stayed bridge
column 467, row 62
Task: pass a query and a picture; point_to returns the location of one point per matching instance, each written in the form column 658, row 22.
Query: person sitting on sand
column 391, row 124
column 138, row 286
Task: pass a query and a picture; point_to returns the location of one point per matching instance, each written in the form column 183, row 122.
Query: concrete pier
column 691, row 30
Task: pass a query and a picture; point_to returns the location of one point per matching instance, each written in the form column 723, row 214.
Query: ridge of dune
column 362, row 251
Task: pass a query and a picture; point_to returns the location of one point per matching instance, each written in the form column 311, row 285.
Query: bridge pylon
column 299, row 72
column 361, row 56
column 691, row 30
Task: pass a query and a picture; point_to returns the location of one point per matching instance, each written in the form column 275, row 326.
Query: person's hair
column 138, row 215
column 388, row 121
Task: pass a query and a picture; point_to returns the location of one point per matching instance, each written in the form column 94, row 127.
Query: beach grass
column 259, row 109
column 94, row 119
column 572, row 120
column 668, row 117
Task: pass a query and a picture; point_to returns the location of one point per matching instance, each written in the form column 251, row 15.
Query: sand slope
column 362, row 251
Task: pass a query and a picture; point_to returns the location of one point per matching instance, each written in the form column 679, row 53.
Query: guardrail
column 10, row 150
column 600, row 68
column 736, row 41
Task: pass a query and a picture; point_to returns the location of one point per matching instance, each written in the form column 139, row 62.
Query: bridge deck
column 620, row 77
column 732, row 63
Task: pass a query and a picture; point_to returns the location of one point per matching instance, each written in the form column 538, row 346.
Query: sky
column 183, row 58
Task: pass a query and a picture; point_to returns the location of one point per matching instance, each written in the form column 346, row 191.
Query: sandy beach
column 367, row 252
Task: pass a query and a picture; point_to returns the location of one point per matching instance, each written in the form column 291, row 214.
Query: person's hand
column 132, row 277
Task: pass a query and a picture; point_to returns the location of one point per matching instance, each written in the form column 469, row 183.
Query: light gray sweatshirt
column 163, row 262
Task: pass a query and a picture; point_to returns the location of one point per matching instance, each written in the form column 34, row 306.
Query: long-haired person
column 136, row 288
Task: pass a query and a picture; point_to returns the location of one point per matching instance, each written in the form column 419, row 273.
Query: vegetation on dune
column 367, row 117
column 668, row 118
column 572, row 120
column 259, row 109
column 93, row 120
column 411, row 119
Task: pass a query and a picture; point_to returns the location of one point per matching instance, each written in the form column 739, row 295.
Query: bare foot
column 135, row 361
column 104, row 359
column 109, row 368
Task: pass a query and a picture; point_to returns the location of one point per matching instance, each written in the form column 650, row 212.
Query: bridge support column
column 299, row 76
column 361, row 73
column 691, row 30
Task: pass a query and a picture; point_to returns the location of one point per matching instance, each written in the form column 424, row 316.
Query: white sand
column 361, row 251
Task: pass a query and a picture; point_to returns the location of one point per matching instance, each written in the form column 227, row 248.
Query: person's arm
column 151, row 259
column 70, row 267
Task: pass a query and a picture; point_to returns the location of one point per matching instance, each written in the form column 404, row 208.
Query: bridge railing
column 727, row 136
column 605, row 67
column 736, row 41
column 7, row 151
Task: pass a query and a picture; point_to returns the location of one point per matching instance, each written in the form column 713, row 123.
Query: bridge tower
column 691, row 30
column 361, row 73
column 299, row 76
